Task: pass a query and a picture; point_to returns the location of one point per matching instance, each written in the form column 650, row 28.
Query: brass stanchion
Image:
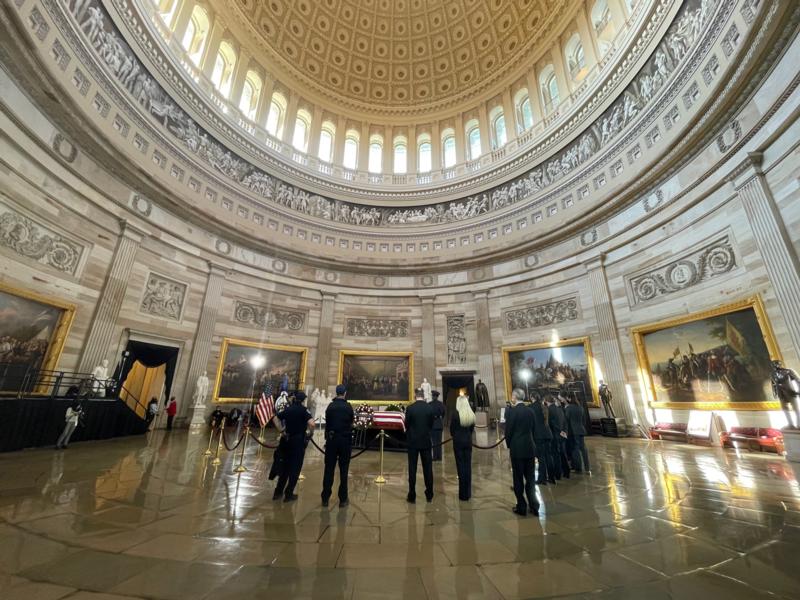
column 380, row 478
column 217, row 459
column 241, row 468
column 261, row 435
column 208, row 451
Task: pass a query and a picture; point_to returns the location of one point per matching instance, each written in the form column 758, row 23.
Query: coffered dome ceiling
column 414, row 54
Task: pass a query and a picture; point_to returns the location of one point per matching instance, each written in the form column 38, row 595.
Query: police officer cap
column 341, row 389
column 435, row 393
column 299, row 396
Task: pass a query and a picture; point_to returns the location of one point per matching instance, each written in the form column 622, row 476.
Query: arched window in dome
column 375, row 154
column 524, row 110
column 302, row 127
column 549, row 84
column 498, row 121
column 576, row 58
column 326, row 137
column 448, row 148
column 222, row 75
column 424, row 154
column 603, row 26
column 473, row 139
column 277, row 108
column 251, row 92
column 400, row 155
column 350, row 158
column 194, row 38
column 165, row 9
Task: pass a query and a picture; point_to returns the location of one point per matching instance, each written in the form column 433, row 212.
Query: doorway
column 146, row 371
column 452, row 385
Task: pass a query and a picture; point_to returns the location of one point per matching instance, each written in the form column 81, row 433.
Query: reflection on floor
column 148, row 517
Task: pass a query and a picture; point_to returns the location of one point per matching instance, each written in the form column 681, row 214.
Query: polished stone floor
column 149, row 517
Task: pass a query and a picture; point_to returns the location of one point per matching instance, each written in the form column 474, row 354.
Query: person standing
column 543, row 439
column 419, row 424
column 577, row 431
column 558, row 427
column 71, row 420
column 152, row 411
column 172, row 410
column 438, row 425
column 339, row 419
column 461, row 427
column 520, row 431
column 299, row 426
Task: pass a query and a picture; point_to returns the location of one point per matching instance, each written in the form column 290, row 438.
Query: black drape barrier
column 151, row 356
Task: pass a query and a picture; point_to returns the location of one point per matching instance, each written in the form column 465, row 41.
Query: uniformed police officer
column 438, row 425
column 299, row 425
column 339, row 419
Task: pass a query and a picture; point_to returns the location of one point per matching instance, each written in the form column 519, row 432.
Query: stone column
column 201, row 348
column 461, row 143
column 99, row 337
column 180, row 19
column 486, row 350
column 774, row 245
column 314, row 132
column 606, row 346
column 323, row 362
column 265, row 100
column 510, row 116
column 534, row 94
column 428, row 358
column 239, row 75
column 289, row 119
column 212, row 47
column 486, row 131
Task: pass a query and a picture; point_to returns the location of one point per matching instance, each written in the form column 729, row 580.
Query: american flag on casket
column 388, row 419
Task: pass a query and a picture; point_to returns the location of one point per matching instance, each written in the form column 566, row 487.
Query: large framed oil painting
column 245, row 368
column 377, row 377
column 550, row 367
column 713, row 360
column 33, row 329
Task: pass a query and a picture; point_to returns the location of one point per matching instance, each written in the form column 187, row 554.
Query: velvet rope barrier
column 260, row 443
column 352, row 456
column 225, row 441
column 495, row 445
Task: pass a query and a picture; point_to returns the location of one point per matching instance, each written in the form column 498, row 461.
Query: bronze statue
column 606, row 397
column 482, row 395
column 786, row 388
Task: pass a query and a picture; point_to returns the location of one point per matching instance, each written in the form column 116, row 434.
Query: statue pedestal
column 481, row 419
column 198, row 415
column 791, row 443
column 613, row 427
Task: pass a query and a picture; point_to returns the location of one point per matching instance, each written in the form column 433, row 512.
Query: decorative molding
column 589, row 237
column 64, row 147
column 38, row 242
column 259, row 316
column 729, row 136
column 700, row 264
column 163, row 297
column 456, row 340
column 142, row 205
column 377, row 328
column 653, row 200
column 541, row 315
column 531, row 260
column 223, row 247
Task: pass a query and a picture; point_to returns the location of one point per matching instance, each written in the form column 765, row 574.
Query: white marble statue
column 426, row 390
column 313, row 402
column 201, row 390
column 100, row 377
column 321, row 407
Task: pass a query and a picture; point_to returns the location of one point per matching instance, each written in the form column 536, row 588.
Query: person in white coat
column 71, row 418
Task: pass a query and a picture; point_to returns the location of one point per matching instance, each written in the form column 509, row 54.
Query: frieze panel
column 258, row 316
column 163, row 297
column 376, row 328
column 541, row 315
column 456, row 340
column 710, row 261
column 131, row 74
column 33, row 240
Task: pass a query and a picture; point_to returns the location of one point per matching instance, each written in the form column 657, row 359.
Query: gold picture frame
column 562, row 343
column 58, row 337
column 644, row 364
column 344, row 354
column 225, row 350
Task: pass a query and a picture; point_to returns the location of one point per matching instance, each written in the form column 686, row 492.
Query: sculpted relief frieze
column 541, row 315
column 376, row 328
column 711, row 260
column 132, row 76
column 38, row 242
column 163, row 297
column 456, row 340
column 258, row 316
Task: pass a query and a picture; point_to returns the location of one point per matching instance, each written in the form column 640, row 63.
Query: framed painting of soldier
column 377, row 377
column 564, row 366
column 245, row 368
column 33, row 329
column 713, row 360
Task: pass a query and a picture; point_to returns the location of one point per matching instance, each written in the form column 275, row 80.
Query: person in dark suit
column 543, row 439
column 520, row 431
column 461, row 427
column 558, row 427
column 339, row 419
column 438, row 425
column 419, row 424
column 299, row 425
column 577, row 431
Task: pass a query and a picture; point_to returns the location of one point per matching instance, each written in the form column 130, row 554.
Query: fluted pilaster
column 485, row 349
column 324, row 343
column 428, row 360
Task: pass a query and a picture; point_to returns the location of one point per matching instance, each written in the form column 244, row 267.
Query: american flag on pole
column 266, row 406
